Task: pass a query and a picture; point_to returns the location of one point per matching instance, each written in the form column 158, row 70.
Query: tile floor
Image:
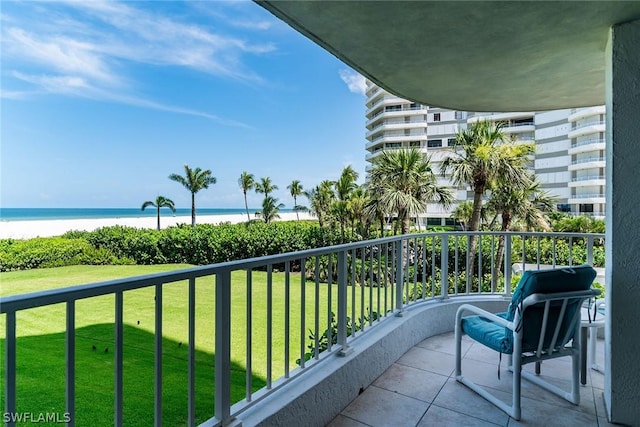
column 420, row 390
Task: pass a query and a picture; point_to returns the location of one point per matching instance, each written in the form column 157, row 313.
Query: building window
column 564, row 207
column 393, row 145
column 586, row 207
column 451, row 142
column 434, row 143
column 414, row 144
column 436, row 117
column 461, row 115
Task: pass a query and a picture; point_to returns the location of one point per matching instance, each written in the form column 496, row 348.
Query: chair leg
column 517, row 384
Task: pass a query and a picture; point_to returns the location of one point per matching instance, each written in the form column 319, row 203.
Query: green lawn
column 40, row 355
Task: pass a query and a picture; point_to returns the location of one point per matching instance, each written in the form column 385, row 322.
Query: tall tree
column 463, row 212
column 246, row 182
column 526, row 204
column 160, row 202
column 194, row 180
column 358, row 214
column 320, row 199
column 270, row 209
column 295, row 189
column 484, row 153
column 406, row 183
column 344, row 186
column 265, row 186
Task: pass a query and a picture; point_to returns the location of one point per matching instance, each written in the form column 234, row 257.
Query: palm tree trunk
column 295, row 204
column 193, row 209
column 474, row 225
column 158, row 218
column 506, row 224
column 246, row 207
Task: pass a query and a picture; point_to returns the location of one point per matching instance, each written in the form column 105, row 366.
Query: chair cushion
column 491, row 334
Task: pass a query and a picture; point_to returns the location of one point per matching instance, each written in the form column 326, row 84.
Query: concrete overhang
column 469, row 55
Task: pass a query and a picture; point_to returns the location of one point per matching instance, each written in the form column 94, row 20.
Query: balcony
column 419, row 389
column 583, row 113
column 580, row 129
column 391, row 300
column 587, row 180
column 587, row 163
column 587, row 146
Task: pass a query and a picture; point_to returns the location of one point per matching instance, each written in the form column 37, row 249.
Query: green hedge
column 43, row 252
column 199, row 245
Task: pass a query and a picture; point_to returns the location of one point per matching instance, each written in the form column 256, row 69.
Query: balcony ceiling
column 473, row 56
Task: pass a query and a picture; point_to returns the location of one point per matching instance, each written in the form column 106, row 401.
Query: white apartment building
column 569, row 158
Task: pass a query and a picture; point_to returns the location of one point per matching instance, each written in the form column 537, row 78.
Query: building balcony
column 382, row 116
column 587, row 198
column 393, row 364
column 588, row 163
column 586, row 181
column 583, row 113
column 504, row 117
column 587, row 146
column 395, row 125
column 591, row 127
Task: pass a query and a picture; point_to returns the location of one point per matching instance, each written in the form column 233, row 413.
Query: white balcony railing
column 372, row 281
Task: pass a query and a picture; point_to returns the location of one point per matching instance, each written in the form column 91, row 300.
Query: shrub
column 46, row 252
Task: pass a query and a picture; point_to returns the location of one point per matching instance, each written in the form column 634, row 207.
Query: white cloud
column 83, row 49
column 76, row 86
column 354, row 81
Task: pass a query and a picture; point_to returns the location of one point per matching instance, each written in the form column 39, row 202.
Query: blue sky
column 101, row 101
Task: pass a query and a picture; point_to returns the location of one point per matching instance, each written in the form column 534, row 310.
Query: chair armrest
column 484, row 313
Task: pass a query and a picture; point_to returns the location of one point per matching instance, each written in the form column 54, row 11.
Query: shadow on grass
column 40, row 365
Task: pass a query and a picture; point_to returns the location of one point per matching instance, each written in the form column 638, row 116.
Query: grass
column 40, row 354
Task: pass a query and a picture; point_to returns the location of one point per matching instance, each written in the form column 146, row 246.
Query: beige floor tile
column 428, row 360
column 377, row 407
column 413, row 382
column 438, row 416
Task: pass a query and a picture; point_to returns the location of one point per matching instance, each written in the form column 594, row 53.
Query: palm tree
column 358, row 213
column 406, row 183
column 320, row 199
column 344, row 186
column 194, row 181
column 462, row 213
column 246, row 182
column 161, row 202
column 527, row 204
column 270, row 209
column 265, row 186
column 295, row 189
column 483, row 154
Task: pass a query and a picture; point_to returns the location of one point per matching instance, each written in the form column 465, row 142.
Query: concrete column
column 622, row 352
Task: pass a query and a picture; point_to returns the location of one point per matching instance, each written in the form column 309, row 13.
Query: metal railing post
column 10, row 367
column 70, row 360
column 589, row 259
column 444, row 265
column 118, row 360
column 507, row 264
column 158, row 359
column 399, row 252
column 223, row 347
column 342, row 304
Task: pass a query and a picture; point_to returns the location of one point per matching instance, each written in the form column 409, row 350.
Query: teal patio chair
column 541, row 323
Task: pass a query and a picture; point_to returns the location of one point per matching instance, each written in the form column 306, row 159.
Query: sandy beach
column 46, row 228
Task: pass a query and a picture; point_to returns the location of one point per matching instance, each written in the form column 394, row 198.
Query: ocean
column 32, row 214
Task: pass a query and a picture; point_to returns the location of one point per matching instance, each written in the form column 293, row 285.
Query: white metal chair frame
column 518, row 359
